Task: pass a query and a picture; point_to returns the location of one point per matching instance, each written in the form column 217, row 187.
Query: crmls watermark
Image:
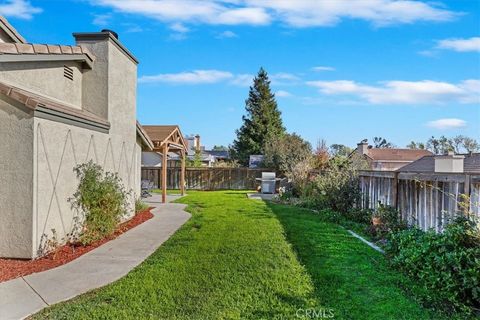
column 315, row 313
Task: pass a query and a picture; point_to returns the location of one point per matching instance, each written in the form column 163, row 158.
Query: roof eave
column 84, row 58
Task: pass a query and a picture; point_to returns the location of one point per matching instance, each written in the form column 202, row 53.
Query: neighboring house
column 61, row 106
column 450, row 163
column 429, row 192
column 207, row 158
column 388, row 159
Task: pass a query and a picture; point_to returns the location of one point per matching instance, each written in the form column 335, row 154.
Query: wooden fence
column 427, row 200
column 207, row 178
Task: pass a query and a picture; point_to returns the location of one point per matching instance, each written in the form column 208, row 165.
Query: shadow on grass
column 348, row 276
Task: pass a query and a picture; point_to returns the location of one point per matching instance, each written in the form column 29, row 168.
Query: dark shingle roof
column 471, row 164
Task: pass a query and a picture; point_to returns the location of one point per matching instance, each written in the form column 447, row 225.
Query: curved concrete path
column 27, row 295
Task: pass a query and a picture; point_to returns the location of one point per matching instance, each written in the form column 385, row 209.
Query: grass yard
column 243, row 259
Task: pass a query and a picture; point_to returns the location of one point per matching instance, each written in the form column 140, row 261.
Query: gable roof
column 471, row 164
column 391, row 154
column 13, row 34
column 161, row 134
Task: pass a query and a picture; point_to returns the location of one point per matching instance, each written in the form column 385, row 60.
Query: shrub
column 102, row 199
column 336, row 188
column 285, row 152
column 445, row 265
column 140, row 206
column 390, row 221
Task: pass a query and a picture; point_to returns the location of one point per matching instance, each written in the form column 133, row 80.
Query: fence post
column 395, row 190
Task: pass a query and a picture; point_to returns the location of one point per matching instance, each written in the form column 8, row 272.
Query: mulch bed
column 14, row 268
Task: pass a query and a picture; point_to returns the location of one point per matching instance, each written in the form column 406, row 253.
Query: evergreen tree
column 262, row 121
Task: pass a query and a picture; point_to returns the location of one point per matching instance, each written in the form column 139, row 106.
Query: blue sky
column 342, row 70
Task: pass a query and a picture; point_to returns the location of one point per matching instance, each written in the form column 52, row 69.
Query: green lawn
column 244, row 259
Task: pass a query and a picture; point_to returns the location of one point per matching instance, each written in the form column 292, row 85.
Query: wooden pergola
column 168, row 139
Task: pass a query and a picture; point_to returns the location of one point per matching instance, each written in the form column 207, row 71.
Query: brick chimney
column 197, row 142
column 362, row 147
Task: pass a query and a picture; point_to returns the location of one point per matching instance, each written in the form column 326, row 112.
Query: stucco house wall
column 46, row 77
column 38, row 153
column 16, row 176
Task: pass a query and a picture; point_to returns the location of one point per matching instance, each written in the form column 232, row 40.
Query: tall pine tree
column 263, row 120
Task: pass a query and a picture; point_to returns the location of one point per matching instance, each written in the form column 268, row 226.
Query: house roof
column 144, row 136
column 391, row 154
column 47, row 105
column 11, row 31
column 219, row 153
column 164, row 133
column 471, row 164
column 44, row 52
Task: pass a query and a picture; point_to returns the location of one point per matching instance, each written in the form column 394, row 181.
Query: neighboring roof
column 390, row 154
column 51, row 106
column 44, row 52
column 224, row 154
column 471, row 164
column 11, row 31
column 161, row 134
column 144, row 136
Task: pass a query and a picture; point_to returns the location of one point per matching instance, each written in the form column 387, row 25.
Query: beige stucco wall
column 58, row 148
column 95, row 82
column 387, row 165
column 16, row 177
column 38, row 156
column 46, row 78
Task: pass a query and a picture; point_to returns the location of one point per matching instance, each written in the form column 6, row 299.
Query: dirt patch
column 14, row 268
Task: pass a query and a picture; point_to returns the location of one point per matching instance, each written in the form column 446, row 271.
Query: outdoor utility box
column 268, row 182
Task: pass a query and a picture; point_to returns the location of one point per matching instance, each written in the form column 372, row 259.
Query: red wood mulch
column 14, row 268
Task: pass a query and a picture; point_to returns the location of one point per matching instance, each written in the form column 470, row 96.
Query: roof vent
column 68, row 72
column 113, row 33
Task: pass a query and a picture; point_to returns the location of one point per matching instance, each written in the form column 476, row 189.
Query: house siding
column 16, row 197
column 46, row 78
column 38, row 155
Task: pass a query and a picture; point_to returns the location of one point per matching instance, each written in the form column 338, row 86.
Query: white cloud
column 243, row 80
column 449, row 123
column 283, row 94
column 227, row 34
column 192, row 77
column 404, row 92
column 21, row 9
column 460, row 45
column 102, row 19
column 284, row 79
column 179, row 27
column 298, row 13
column 323, row 68
column 213, row 76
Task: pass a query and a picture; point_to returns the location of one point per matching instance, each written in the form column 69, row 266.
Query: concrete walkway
column 27, row 295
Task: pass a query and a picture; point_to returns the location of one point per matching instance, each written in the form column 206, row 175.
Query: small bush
column 140, row 206
column 445, row 265
column 102, row 199
column 336, row 188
